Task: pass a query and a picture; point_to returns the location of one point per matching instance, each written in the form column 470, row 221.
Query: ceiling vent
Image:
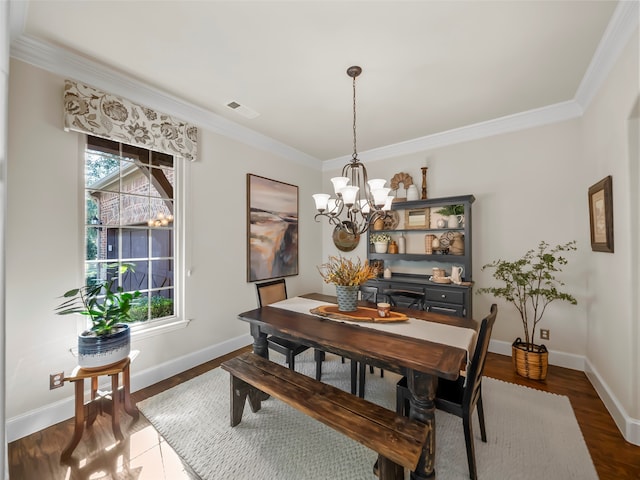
column 242, row 110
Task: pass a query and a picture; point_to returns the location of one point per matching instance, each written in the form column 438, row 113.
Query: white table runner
column 460, row 337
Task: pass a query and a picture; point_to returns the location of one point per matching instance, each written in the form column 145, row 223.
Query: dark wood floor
column 145, row 455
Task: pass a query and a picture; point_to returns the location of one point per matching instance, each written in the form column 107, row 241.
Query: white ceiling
column 428, row 66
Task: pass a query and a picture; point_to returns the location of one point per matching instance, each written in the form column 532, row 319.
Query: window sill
column 140, row 332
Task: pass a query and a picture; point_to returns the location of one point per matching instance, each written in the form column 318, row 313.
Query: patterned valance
column 89, row 110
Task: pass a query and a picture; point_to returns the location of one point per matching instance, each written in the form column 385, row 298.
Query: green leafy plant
column 346, row 271
column 104, row 305
column 530, row 283
column 379, row 238
column 451, row 210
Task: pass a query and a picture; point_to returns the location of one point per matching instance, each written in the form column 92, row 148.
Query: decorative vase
column 380, row 247
column 378, row 224
column 102, row 351
column 393, row 247
column 530, row 360
column 347, row 297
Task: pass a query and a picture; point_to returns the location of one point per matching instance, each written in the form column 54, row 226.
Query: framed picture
column 416, row 218
column 272, row 229
column 601, row 215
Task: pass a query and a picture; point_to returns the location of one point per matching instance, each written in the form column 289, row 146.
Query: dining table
column 425, row 347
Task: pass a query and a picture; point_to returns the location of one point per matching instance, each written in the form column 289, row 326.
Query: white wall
column 610, row 147
column 4, row 92
column 45, row 247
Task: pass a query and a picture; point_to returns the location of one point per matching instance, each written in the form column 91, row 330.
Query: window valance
column 89, row 110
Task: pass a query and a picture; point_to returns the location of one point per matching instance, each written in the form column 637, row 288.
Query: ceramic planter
column 102, row 351
column 380, row 247
column 347, row 297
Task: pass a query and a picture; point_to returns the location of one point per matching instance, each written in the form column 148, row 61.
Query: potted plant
column 347, row 275
column 380, row 242
column 455, row 214
column 109, row 309
column 530, row 284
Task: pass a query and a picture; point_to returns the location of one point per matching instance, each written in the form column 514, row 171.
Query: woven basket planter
column 530, row 360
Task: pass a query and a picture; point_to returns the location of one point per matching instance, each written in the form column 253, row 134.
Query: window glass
column 129, row 219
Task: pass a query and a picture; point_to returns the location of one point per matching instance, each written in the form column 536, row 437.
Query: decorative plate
column 445, row 238
column 392, row 220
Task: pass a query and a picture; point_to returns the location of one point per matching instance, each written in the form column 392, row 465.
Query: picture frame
column 601, row 215
column 416, row 218
column 272, row 228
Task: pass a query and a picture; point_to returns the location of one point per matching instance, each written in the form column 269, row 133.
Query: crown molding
column 622, row 25
column 71, row 65
column 510, row 123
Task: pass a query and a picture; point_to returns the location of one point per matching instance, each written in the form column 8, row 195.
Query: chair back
column 474, row 372
column 369, row 294
column 271, row 292
column 404, row 298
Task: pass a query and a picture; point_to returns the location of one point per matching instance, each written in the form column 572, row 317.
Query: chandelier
column 358, row 201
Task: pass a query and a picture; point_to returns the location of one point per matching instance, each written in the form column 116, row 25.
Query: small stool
column 100, row 399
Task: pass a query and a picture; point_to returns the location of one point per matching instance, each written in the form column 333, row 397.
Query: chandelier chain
column 355, row 152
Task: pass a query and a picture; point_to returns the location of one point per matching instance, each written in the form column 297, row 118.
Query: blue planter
column 105, row 350
column 347, row 297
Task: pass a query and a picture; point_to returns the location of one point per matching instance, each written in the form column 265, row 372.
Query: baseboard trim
column 628, row 426
column 41, row 418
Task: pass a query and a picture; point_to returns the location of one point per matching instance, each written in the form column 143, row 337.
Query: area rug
column 531, row 434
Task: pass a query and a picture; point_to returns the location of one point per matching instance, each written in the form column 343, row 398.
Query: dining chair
column 274, row 291
column 404, row 298
column 368, row 294
column 460, row 397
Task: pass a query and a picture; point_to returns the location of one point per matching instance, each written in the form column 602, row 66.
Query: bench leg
column 387, row 470
column 239, row 392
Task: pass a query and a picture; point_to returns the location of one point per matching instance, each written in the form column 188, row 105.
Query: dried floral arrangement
column 346, row 271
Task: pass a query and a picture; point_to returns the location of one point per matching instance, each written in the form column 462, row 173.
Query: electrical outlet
column 56, row 380
column 544, row 333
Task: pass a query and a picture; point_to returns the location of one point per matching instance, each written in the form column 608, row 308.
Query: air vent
column 242, row 110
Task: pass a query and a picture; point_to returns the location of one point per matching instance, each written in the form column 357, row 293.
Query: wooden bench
column 397, row 439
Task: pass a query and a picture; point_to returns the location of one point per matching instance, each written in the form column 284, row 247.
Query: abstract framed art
column 272, row 228
column 601, row 215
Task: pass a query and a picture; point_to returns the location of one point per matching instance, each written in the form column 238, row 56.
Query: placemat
column 362, row 314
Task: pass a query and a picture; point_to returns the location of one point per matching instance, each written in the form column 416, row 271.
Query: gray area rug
column 531, row 434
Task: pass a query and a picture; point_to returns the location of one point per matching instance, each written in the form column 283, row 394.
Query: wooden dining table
column 422, row 361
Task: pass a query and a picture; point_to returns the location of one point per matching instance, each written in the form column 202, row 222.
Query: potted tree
column 108, row 307
column 347, row 275
column 530, row 284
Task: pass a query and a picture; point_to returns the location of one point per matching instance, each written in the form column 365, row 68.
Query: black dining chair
column 358, row 369
column 274, row 291
column 460, row 397
column 404, row 298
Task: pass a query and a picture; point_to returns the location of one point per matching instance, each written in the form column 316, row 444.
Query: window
column 130, row 208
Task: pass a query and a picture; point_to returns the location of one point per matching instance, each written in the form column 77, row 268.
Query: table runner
column 460, row 337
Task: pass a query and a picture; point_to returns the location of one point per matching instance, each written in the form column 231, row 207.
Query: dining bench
column 397, row 439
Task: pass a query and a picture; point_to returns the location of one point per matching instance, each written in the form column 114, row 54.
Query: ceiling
column 428, row 66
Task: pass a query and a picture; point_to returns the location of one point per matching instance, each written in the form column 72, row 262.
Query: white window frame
column 153, row 327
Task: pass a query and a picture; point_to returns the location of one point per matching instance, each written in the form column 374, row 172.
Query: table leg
column 260, row 346
column 79, row 425
column 422, row 407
